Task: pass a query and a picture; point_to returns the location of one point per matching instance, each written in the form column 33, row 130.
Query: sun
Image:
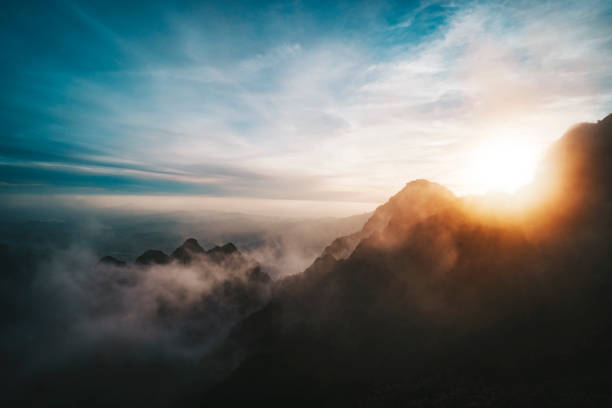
column 502, row 165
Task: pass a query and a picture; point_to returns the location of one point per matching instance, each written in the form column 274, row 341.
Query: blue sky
column 287, row 100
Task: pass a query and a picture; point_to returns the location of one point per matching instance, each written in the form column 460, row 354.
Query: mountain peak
column 153, row 257
column 185, row 253
column 417, row 200
column 192, row 245
column 220, row 253
column 226, row 249
column 424, row 187
column 109, row 260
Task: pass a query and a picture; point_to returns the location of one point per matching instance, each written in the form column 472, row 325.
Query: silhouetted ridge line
column 189, row 251
column 415, row 200
column 153, row 257
column 109, row 260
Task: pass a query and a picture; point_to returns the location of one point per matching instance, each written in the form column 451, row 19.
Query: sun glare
column 502, row 165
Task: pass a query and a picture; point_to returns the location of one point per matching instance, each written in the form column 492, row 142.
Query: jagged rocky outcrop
column 189, row 252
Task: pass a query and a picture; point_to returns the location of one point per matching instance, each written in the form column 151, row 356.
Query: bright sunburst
column 502, row 165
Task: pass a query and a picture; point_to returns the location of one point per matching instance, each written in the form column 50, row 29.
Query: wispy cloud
column 321, row 114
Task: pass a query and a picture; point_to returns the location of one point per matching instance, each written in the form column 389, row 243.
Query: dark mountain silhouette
column 255, row 274
column 189, row 251
column 186, row 252
column 153, row 257
column 221, row 253
column 435, row 303
column 109, row 260
column 413, row 202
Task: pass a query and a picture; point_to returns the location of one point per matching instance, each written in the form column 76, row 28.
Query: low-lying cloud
column 67, row 310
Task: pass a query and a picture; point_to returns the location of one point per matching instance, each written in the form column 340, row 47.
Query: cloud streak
column 307, row 109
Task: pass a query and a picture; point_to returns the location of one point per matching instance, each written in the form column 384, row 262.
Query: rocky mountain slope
column 434, row 303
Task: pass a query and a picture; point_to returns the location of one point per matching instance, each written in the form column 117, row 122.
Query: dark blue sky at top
column 51, row 47
column 111, row 96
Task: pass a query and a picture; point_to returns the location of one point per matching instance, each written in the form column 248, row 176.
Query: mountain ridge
column 186, row 253
column 431, row 285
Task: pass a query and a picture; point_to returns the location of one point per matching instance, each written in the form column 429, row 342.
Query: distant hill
column 153, row 257
column 109, row 260
column 188, row 252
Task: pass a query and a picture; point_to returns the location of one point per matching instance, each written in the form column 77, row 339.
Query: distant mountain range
column 189, row 251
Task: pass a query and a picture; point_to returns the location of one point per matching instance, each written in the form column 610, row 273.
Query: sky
column 305, row 101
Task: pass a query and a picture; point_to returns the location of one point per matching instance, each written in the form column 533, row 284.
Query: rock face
column 433, row 305
column 153, row 257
